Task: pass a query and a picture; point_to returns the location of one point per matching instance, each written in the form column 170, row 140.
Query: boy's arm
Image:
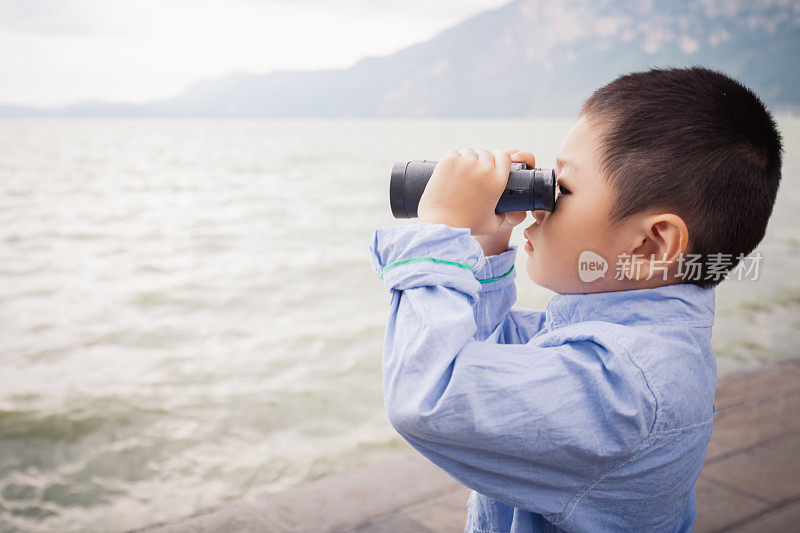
column 498, row 293
column 526, row 425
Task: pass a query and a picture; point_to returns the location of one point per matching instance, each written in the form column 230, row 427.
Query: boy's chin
column 542, row 280
column 559, row 286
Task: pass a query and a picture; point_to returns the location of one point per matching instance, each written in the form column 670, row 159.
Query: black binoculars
column 527, row 189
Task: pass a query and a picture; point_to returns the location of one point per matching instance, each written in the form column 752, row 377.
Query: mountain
column 527, row 58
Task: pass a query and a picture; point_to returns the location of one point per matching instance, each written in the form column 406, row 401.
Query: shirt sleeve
column 530, row 425
column 495, row 317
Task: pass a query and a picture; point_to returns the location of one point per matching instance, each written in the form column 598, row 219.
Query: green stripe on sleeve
column 498, row 277
column 445, row 262
column 415, row 259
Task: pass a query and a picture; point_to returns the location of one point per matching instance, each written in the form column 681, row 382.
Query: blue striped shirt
column 591, row 415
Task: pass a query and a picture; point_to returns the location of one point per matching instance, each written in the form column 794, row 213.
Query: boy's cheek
column 555, row 263
column 550, row 274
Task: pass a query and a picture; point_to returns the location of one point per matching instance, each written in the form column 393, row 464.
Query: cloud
column 68, row 17
column 55, row 52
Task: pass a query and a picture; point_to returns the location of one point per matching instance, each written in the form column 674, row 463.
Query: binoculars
column 528, row 189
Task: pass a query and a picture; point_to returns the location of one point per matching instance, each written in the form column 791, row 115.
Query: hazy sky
column 61, row 51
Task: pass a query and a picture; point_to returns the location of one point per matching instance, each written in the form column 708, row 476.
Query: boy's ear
column 659, row 245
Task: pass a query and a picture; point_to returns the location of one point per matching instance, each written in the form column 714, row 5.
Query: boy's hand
column 464, row 189
column 498, row 242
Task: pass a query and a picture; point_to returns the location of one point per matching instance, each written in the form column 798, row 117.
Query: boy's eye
column 561, row 190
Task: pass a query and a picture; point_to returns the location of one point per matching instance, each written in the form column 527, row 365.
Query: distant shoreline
column 779, row 113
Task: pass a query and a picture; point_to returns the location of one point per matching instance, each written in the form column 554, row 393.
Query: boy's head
column 659, row 167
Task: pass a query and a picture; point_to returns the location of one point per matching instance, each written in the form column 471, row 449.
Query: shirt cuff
column 424, row 254
column 498, row 270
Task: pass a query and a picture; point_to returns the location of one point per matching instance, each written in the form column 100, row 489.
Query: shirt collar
column 680, row 302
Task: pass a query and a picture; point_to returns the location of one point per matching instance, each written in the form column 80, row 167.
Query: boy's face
column 578, row 223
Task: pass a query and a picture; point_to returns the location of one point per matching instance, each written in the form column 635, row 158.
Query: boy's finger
column 468, row 153
column 514, row 219
column 517, row 218
column 485, row 156
column 502, row 162
column 450, row 155
column 525, row 157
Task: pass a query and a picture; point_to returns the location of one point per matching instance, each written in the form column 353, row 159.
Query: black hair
column 694, row 141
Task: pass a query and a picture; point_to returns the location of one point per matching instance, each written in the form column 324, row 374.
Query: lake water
column 188, row 315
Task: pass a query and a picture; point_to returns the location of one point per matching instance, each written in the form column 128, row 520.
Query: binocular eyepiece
column 527, row 189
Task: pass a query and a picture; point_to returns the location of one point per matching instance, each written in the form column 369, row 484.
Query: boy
column 594, row 414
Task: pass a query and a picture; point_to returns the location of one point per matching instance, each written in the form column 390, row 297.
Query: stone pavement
column 750, row 481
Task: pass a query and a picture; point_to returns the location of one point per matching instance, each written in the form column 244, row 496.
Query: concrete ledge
column 333, row 503
column 750, row 480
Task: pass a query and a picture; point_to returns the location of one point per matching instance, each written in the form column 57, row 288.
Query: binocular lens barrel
column 527, row 189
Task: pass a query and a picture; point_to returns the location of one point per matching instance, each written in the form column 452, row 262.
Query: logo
column 591, row 266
